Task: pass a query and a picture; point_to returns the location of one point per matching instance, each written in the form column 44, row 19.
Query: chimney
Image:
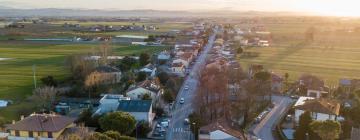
column 22, row 117
column 13, row 122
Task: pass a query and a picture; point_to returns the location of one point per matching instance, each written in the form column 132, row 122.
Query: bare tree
column 46, row 94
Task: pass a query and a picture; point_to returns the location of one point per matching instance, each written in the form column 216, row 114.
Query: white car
column 186, row 87
column 182, row 100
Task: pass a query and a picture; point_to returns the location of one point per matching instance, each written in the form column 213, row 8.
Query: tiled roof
column 147, row 84
column 42, row 122
column 134, row 105
column 321, row 106
column 177, row 64
column 221, row 125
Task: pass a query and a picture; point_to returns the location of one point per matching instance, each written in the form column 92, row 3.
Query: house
column 320, row 109
column 149, row 87
column 163, row 56
column 109, row 103
column 184, row 58
column 140, row 109
column 276, row 83
column 349, row 85
column 39, row 126
column 219, row 130
column 178, row 68
column 104, row 75
column 263, row 43
column 149, row 69
column 315, row 86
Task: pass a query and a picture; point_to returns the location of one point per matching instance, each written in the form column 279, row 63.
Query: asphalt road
column 177, row 130
column 263, row 130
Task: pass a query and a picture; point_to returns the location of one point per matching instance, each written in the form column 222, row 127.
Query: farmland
column 334, row 54
column 16, row 74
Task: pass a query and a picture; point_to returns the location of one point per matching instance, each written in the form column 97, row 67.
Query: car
column 186, row 87
column 182, row 100
column 186, row 121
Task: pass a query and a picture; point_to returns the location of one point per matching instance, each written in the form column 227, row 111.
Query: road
column 177, row 130
column 263, row 130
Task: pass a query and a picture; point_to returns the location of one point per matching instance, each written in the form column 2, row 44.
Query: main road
column 264, row 129
column 177, row 130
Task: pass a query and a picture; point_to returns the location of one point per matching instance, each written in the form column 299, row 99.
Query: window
column 50, row 135
column 17, row 133
column 31, row 134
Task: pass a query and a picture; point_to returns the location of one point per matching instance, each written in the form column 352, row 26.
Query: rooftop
column 134, row 105
column 42, row 123
column 320, row 106
column 220, row 130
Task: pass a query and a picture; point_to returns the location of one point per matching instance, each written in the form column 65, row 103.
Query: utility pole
column 34, row 75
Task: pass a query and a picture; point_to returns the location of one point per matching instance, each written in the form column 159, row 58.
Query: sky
column 325, row 7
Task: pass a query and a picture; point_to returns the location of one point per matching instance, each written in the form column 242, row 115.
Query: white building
column 149, row 87
column 320, row 109
column 219, row 130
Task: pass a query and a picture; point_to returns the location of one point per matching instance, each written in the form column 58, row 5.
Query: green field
column 334, row 54
column 16, row 74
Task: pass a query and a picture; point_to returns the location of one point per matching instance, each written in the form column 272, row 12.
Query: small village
column 193, row 86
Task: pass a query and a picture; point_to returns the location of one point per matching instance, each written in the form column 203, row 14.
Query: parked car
column 261, row 116
column 186, row 121
column 182, row 100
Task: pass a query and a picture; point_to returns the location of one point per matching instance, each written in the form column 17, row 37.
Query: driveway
column 264, row 129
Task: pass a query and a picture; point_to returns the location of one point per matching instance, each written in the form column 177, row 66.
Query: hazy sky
column 331, row 7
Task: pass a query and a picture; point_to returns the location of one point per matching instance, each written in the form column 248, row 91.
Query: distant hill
column 53, row 12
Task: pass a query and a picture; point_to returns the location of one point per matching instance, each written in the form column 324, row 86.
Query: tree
column 79, row 66
column 286, row 80
column 144, row 59
column 141, row 76
column 2, row 122
column 49, row 81
column 168, row 96
column 122, row 122
column 263, row 78
column 87, row 118
column 195, row 123
column 113, row 134
column 99, row 136
column 327, row 130
column 304, row 126
column 146, row 97
column 239, row 50
column 163, row 77
column 143, row 129
column 126, row 63
column 46, row 94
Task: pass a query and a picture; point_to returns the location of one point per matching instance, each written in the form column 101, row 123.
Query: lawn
column 16, row 81
column 333, row 55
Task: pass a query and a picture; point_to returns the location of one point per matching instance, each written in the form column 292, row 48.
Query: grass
column 16, row 74
column 333, row 54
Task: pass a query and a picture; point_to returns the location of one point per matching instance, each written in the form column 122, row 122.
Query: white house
column 140, row 109
column 219, row 130
column 178, row 69
column 148, row 87
column 3, row 103
column 320, row 109
column 109, row 103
